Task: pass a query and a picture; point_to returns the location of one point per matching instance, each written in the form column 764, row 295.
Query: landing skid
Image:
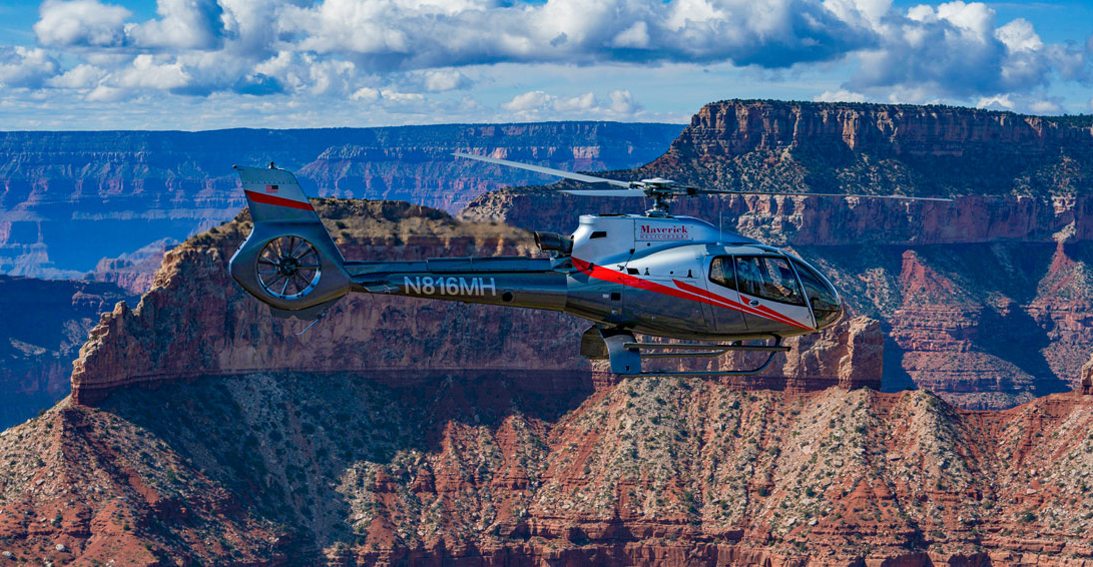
column 624, row 353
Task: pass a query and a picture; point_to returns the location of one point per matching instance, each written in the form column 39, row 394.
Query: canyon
column 45, row 324
column 201, row 430
column 106, row 206
column 71, row 199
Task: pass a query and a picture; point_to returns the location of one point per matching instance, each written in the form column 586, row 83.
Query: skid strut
column 625, row 354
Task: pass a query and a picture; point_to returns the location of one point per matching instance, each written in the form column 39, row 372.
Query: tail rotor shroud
column 289, row 267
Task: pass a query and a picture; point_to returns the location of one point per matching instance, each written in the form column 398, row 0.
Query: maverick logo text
column 655, row 232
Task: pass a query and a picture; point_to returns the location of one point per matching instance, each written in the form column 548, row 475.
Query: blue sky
column 203, row 64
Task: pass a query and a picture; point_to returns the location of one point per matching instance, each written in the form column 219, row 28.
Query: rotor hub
column 288, row 266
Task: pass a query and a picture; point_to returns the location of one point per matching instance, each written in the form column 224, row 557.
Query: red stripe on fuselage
column 278, row 201
column 686, row 292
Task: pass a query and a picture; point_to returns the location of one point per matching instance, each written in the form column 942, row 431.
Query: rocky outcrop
column 69, row 199
column 45, row 323
column 196, row 321
column 134, row 271
column 522, row 468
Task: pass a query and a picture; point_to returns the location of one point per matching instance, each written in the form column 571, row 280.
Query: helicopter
column 652, row 274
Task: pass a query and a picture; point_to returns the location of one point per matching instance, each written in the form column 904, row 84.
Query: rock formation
column 522, row 468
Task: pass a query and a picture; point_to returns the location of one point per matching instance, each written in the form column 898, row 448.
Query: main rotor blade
column 547, row 170
column 605, row 192
column 786, row 194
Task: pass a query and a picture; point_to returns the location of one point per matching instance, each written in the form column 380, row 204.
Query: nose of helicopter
column 827, row 306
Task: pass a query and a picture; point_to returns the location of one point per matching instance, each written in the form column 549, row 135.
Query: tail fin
column 289, row 260
column 274, row 195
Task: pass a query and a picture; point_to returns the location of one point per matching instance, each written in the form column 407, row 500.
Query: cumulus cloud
column 534, row 104
column 21, row 67
column 446, row 80
column 957, row 50
column 841, row 95
column 81, row 22
column 187, row 24
column 146, row 72
column 79, row 77
column 409, row 51
column 388, row 35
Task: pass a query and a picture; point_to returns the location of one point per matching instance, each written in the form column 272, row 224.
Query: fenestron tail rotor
column 660, row 189
column 289, row 267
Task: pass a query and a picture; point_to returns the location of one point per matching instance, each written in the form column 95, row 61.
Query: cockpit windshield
column 825, row 304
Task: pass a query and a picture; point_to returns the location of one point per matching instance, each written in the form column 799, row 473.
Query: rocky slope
column 44, row 325
column 513, row 468
column 985, row 300
column 69, row 199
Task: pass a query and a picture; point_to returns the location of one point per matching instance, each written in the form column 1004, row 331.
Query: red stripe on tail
column 278, row 201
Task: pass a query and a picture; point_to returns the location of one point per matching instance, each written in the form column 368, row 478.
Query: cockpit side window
column 825, row 306
column 722, row 272
column 769, row 277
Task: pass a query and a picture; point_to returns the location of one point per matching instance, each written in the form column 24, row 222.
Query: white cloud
column 1045, row 107
column 622, row 103
column 841, row 95
column 366, row 94
column 636, row 36
column 187, row 24
column 145, row 72
column 529, row 101
column 79, row 77
column 539, row 104
column 81, row 22
column 402, row 53
column 996, row 102
column 1019, row 35
column 103, row 93
column 23, row 67
column 445, row 80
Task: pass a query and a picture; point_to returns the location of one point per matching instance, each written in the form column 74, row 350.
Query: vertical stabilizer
column 275, row 195
column 289, row 260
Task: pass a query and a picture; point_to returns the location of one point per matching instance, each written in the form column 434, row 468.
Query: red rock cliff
column 985, row 299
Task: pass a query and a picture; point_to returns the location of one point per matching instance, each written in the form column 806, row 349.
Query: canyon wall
column 985, row 300
column 44, row 325
column 399, row 431
column 70, row 199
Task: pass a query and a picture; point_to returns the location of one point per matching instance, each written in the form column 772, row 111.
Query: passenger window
column 722, row 272
column 768, row 277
